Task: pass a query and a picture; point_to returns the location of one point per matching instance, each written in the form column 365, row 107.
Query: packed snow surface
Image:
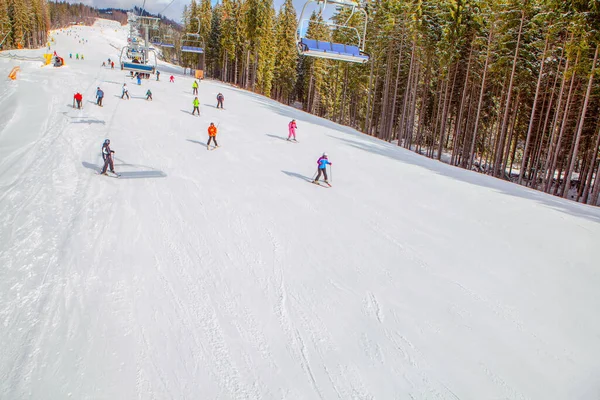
column 227, row 275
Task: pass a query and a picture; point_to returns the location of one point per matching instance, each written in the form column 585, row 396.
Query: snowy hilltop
column 226, row 274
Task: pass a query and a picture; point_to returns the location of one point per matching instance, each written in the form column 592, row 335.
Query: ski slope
column 226, row 275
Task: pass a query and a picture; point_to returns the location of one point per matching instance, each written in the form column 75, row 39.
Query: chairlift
column 192, row 43
column 331, row 50
column 138, row 60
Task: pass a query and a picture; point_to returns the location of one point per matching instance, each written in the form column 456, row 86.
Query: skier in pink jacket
column 292, row 130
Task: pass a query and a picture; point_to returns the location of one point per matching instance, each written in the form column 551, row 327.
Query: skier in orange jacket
column 212, row 136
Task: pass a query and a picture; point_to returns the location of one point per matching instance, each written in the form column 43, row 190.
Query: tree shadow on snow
column 89, row 121
column 383, row 148
column 143, row 174
column 195, row 141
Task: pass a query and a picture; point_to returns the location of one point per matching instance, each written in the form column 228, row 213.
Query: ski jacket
column 148, row 93
column 100, row 93
column 78, row 96
column 106, row 151
column 220, row 97
column 196, row 102
column 212, row 131
column 125, row 90
column 195, row 85
column 323, row 162
column 292, row 126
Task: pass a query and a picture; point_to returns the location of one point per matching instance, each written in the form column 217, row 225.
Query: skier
column 70, row 55
column 77, row 56
column 139, row 80
column 292, row 130
column 125, row 91
column 103, row 63
column 212, row 135
column 107, row 157
column 196, row 106
column 220, row 99
column 99, row 96
column 148, row 95
column 157, row 75
column 172, row 79
column 112, row 65
column 82, row 56
column 322, row 168
column 77, row 98
column 195, row 88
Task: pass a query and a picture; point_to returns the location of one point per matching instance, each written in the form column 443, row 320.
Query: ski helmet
column 324, row 154
column 106, row 141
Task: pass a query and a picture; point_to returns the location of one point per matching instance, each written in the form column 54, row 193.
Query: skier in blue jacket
column 322, row 163
column 99, row 96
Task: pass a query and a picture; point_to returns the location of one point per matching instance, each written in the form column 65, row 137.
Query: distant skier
column 322, row 168
column 148, row 95
column 104, row 63
column 196, row 106
column 125, row 91
column 112, row 65
column 82, row 56
column 292, row 130
column 139, row 80
column 212, row 135
column 195, row 88
column 77, row 98
column 157, row 75
column 220, row 99
column 99, row 96
column 70, row 55
column 172, row 79
column 77, row 56
column 107, row 156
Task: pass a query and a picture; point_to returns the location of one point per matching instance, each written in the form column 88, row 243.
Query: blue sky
column 173, row 11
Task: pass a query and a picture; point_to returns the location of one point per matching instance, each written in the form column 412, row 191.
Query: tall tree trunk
column 565, row 118
column 524, row 161
column 593, row 163
column 481, row 93
column 447, row 103
column 498, row 158
column 461, row 107
column 580, row 127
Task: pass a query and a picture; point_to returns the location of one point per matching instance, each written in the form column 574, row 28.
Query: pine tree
column 286, row 56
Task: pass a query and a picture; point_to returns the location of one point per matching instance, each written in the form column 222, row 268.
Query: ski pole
column 331, row 172
column 315, row 175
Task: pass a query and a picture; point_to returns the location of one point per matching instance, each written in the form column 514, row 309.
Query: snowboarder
column 172, row 79
column 77, row 98
column 107, row 157
column 196, row 106
column 148, row 95
column 99, row 96
column 322, row 163
column 220, row 99
column 212, row 135
column 157, row 75
column 125, row 91
column 195, row 88
column 292, row 130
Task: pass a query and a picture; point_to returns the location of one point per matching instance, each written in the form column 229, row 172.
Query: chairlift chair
column 331, row 50
column 192, row 43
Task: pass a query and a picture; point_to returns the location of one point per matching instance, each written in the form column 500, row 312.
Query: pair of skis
column 214, row 148
column 325, row 184
column 110, row 174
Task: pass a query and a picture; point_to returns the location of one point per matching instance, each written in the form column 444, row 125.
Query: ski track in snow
column 223, row 275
